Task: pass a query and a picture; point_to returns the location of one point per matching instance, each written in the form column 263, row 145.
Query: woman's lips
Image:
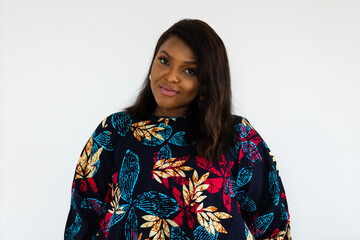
column 168, row 91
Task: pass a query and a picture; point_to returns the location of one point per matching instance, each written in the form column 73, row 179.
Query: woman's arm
column 258, row 187
column 91, row 189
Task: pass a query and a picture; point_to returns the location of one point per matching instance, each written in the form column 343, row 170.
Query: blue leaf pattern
column 94, row 204
column 245, row 202
column 164, row 153
column 261, row 224
column 73, row 204
column 230, row 187
column 200, row 233
column 274, row 187
column 178, row 234
column 164, row 133
column 157, row 204
column 71, row 232
column 131, row 226
column 128, row 175
column 103, row 139
column 115, row 218
column 284, row 214
column 244, row 176
column 252, row 151
column 121, row 122
column 179, row 139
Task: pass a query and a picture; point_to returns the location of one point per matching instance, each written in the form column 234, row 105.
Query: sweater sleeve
column 91, row 188
column 258, row 187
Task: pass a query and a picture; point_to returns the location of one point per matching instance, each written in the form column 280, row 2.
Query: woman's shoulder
column 241, row 123
column 239, row 119
column 120, row 122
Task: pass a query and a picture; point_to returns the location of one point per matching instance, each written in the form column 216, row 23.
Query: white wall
column 67, row 64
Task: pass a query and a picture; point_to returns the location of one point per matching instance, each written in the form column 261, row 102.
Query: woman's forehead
column 175, row 47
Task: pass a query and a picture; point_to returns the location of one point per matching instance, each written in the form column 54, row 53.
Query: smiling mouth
column 168, row 91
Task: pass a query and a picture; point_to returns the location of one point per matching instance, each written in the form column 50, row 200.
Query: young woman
column 177, row 164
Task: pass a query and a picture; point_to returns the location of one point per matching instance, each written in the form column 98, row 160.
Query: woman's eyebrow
column 169, row 56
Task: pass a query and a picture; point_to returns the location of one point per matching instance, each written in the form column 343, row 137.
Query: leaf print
column 156, row 203
column 103, row 139
column 131, row 225
column 245, row 202
column 156, row 228
column 73, row 204
column 103, row 123
column 207, row 217
column 162, row 135
column 159, row 227
column 261, row 224
column 210, row 209
column 207, row 165
column 115, row 212
column 74, row 229
column 172, row 167
column 244, row 176
column 215, row 184
column 196, row 188
column 140, row 236
column 245, row 128
column 222, row 215
column 224, row 171
column 179, row 139
column 210, row 219
column 248, row 234
column 92, row 184
column 284, row 214
column 115, row 193
column 88, row 163
column 143, row 129
column 164, row 153
column 150, row 218
column 166, row 120
column 201, row 233
column 94, row 204
column 121, row 122
column 128, row 175
column 178, row 234
column 251, row 151
column 274, row 188
column 230, row 187
column 116, row 215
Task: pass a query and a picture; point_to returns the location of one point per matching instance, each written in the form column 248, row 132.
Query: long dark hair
column 211, row 124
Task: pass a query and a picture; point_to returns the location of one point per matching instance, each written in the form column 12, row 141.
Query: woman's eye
column 190, row 71
column 163, row 60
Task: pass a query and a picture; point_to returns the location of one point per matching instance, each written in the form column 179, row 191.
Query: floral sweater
column 140, row 179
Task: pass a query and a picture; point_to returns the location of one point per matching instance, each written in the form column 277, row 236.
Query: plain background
column 295, row 66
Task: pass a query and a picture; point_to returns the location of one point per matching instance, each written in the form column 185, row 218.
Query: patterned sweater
column 141, row 179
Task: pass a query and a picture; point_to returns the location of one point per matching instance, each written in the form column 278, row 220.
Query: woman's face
column 174, row 82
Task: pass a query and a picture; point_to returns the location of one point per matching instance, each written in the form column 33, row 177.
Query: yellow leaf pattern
column 166, row 120
column 143, row 130
column 87, row 164
column 159, row 227
column 115, row 208
column 171, row 167
column 207, row 217
column 210, row 219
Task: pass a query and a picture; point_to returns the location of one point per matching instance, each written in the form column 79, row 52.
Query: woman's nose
column 173, row 75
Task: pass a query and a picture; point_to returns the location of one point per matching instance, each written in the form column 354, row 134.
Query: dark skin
column 174, row 82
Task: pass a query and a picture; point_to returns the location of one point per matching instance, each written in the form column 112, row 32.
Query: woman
column 177, row 164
